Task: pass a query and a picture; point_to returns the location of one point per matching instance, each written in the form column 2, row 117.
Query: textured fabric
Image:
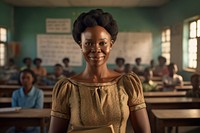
column 34, row 99
column 98, row 104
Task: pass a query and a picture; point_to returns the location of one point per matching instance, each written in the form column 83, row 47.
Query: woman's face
column 26, row 79
column 96, row 44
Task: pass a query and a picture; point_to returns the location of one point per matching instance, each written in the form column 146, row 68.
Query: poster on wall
column 53, row 48
column 58, row 25
column 131, row 45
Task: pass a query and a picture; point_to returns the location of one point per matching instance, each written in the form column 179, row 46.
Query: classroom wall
column 175, row 13
column 6, row 18
column 31, row 21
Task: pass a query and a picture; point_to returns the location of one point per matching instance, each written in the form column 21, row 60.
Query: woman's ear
column 111, row 43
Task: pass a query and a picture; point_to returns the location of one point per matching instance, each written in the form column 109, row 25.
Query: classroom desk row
column 6, row 102
column 26, row 117
column 180, row 103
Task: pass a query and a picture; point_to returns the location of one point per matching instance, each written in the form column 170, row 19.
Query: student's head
column 152, row 63
column 148, row 74
column 138, row 61
column 161, row 60
column 58, row 70
column 11, row 61
column 27, row 77
column 27, row 61
column 95, row 32
column 37, row 61
column 172, row 68
column 119, row 61
column 66, row 61
column 127, row 68
column 195, row 80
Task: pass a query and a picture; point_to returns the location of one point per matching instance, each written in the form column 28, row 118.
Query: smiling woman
column 97, row 97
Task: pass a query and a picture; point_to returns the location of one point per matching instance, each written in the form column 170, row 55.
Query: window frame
column 3, row 42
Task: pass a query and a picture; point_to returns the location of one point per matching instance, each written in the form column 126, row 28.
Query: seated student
column 172, row 80
column 127, row 68
column 119, row 64
column 148, row 85
column 161, row 69
column 38, row 69
column 138, row 68
column 67, row 70
column 27, row 63
column 57, row 75
column 10, row 70
column 28, row 96
column 195, row 81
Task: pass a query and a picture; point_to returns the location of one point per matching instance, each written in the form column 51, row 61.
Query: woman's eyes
column 100, row 43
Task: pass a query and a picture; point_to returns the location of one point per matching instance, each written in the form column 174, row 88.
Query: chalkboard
column 131, row 45
column 53, row 48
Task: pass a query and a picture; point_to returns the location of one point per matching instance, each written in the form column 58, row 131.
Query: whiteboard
column 131, row 45
column 53, row 48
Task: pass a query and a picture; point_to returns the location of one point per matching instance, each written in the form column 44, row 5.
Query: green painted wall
column 6, row 18
column 31, row 21
column 178, row 11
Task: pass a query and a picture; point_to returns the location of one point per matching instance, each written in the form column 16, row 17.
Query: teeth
column 100, row 58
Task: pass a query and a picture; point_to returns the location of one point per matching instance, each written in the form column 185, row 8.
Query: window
column 166, row 43
column 3, row 40
column 194, row 32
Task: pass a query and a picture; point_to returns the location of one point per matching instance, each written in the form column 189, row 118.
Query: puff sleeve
column 133, row 88
column 60, row 99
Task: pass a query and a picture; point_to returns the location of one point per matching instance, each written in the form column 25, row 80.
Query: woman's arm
column 58, row 125
column 140, row 121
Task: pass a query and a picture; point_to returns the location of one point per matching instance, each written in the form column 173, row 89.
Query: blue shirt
column 34, row 98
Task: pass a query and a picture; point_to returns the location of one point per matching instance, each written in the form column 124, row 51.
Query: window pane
column 163, row 36
column 2, row 54
column 3, row 34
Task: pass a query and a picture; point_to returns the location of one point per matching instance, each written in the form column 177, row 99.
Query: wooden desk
column 183, row 88
column 164, row 94
column 6, row 102
column 8, row 89
column 178, row 117
column 26, row 117
column 170, row 103
column 47, row 93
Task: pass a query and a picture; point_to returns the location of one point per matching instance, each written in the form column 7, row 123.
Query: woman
column 98, row 96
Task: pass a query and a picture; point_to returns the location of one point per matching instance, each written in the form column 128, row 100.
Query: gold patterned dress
column 89, row 105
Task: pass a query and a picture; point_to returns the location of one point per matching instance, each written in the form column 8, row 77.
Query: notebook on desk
column 106, row 129
column 14, row 109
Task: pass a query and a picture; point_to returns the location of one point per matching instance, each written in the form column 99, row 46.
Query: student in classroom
column 195, row 81
column 172, row 80
column 67, row 70
column 39, row 70
column 138, row 68
column 28, row 96
column 127, row 68
column 27, row 63
column 119, row 61
column 98, row 97
column 148, row 85
column 53, row 78
column 161, row 69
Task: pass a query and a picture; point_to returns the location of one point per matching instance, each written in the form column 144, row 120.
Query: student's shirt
column 34, row 99
column 41, row 71
column 150, row 86
column 176, row 80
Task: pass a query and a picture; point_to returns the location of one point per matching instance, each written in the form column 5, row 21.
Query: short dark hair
column 26, row 58
column 194, row 76
column 93, row 18
column 37, row 59
column 27, row 71
column 58, row 65
column 66, row 59
column 118, row 59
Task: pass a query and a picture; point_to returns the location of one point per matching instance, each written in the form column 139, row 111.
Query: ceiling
column 87, row 3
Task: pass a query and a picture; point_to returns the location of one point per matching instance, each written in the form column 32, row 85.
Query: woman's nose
column 96, row 49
